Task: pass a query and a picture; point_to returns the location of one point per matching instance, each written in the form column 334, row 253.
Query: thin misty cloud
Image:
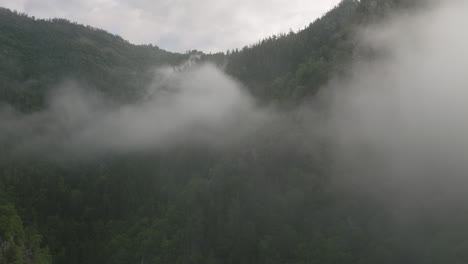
column 196, row 103
column 399, row 123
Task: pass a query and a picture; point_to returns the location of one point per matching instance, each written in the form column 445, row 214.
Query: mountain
column 268, row 199
column 39, row 54
column 294, row 65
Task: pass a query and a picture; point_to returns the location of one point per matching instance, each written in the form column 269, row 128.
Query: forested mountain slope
column 36, row 55
column 39, row 54
column 268, row 199
column 295, row 65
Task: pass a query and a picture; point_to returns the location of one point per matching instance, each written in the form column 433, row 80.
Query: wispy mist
column 400, row 117
column 185, row 104
column 399, row 123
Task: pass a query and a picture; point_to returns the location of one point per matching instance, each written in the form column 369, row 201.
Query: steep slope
column 36, row 55
column 309, row 55
column 267, row 200
column 294, row 66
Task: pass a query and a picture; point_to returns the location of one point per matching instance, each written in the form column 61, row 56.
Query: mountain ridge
column 268, row 200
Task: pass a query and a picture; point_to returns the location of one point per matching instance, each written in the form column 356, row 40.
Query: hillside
column 294, row 65
column 37, row 55
column 267, row 196
column 41, row 54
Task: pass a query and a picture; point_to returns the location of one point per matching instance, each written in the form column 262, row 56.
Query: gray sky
column 180, row 25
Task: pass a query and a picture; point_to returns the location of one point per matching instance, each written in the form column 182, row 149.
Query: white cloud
column 180, row 25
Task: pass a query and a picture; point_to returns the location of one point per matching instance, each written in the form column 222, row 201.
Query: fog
column 192, row 102
column 399, row 121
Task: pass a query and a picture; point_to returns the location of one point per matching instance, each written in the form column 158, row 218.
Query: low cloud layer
column 188, row 104
column 207, row 25
column 399, row 124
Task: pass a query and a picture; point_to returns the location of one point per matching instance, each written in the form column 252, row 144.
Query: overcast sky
column 180, row 25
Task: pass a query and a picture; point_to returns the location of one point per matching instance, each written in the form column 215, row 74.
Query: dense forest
column 268, row 199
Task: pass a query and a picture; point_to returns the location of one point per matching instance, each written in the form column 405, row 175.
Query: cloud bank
column 399, row 123
column 398, row 120
column 187, row 104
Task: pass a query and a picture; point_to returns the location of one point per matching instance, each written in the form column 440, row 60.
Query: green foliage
column 16, row 244
column 37, row 55
column 264, row 201
column 294, row 66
